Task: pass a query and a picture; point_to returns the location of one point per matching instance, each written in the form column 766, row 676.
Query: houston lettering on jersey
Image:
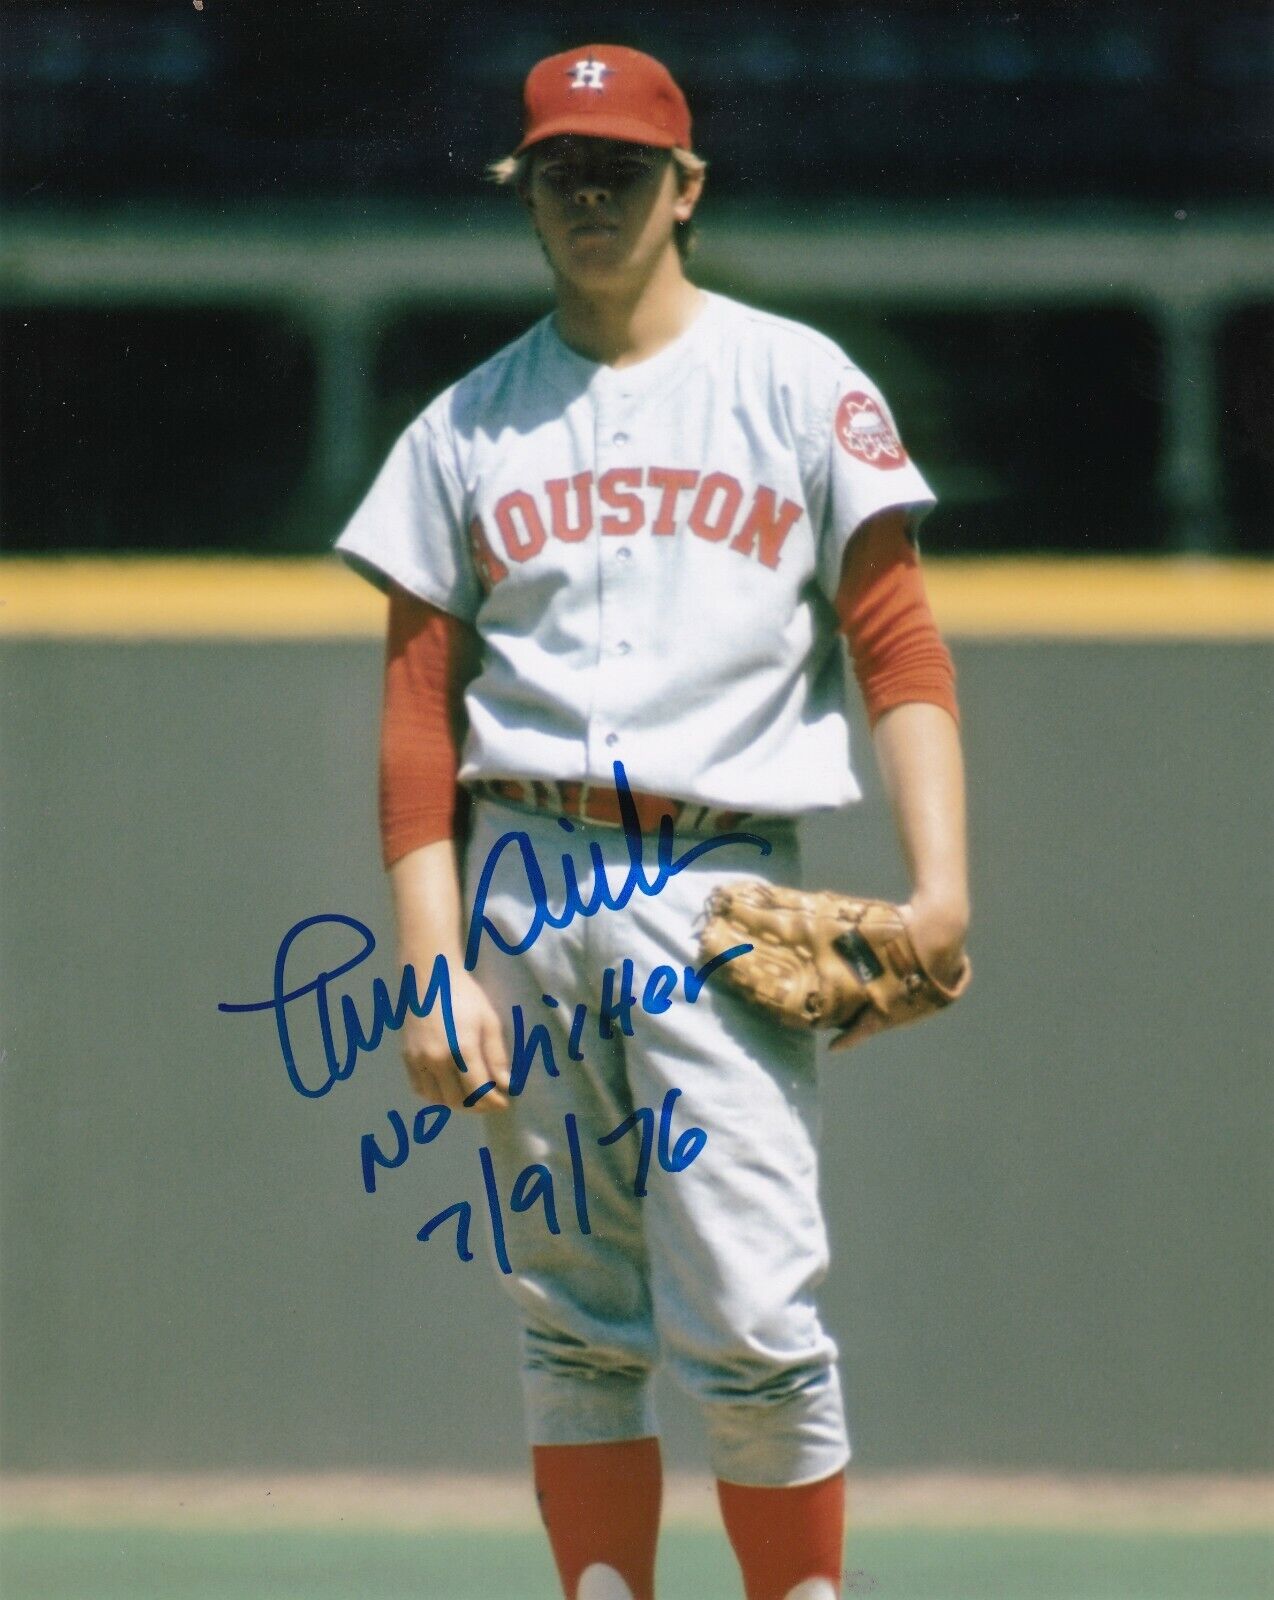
column 714, row 506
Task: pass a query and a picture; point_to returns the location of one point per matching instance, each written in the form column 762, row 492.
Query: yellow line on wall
column 187, row 598
column 1179, row 598
column 317, row 598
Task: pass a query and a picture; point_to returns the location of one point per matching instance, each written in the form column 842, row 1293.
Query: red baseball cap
column 605, row 91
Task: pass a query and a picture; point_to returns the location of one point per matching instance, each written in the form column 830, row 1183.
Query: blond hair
column 514, row 169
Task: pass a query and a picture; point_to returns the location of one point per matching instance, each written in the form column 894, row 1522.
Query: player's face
column 603, row 208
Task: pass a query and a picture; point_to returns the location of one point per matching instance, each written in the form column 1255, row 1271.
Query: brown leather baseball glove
column 823, row 960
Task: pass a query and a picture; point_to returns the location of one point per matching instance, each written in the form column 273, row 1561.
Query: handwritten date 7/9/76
column 534, row 1184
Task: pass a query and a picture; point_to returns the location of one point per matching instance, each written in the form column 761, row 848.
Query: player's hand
column 937, row 929
column 430, row 1067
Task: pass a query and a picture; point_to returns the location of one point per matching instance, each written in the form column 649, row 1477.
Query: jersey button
column 623, row 553
column 620, row 438
column 612, row 739
column 623, row 647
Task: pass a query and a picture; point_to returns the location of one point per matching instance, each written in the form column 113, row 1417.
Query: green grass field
column 58, row 1563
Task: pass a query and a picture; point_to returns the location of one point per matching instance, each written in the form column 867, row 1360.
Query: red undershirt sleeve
column 894, row 644
column 429, row 658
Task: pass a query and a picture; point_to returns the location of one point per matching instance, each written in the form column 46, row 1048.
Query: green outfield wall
column 1050, row 1208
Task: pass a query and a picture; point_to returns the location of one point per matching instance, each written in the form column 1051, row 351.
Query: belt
column 598, row 803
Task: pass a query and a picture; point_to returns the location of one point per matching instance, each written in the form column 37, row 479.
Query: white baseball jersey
column 649, row 555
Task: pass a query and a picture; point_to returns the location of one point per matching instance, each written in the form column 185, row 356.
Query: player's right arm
column 428, row 659
column 427, row 910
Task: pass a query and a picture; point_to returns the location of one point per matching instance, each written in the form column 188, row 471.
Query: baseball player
column 640, row 534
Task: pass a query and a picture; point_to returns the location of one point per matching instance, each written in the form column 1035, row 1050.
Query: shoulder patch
column 864, row 430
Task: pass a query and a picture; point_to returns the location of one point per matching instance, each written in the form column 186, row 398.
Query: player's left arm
column 922, row 766
column 908, row 684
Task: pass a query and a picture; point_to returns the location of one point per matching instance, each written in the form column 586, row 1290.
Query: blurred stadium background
column 240, row 247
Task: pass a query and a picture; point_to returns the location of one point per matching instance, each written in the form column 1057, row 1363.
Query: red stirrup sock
column 600, row 1505
column 785, row 1538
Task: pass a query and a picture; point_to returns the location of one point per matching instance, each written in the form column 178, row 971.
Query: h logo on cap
column 589, row 75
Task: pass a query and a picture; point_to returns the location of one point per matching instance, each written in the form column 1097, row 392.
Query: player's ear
column 690, row 172
column 687, row 200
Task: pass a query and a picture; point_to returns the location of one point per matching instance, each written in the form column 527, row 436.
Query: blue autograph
column 574, row 905
column 390, row 1012
column 345, row 1036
